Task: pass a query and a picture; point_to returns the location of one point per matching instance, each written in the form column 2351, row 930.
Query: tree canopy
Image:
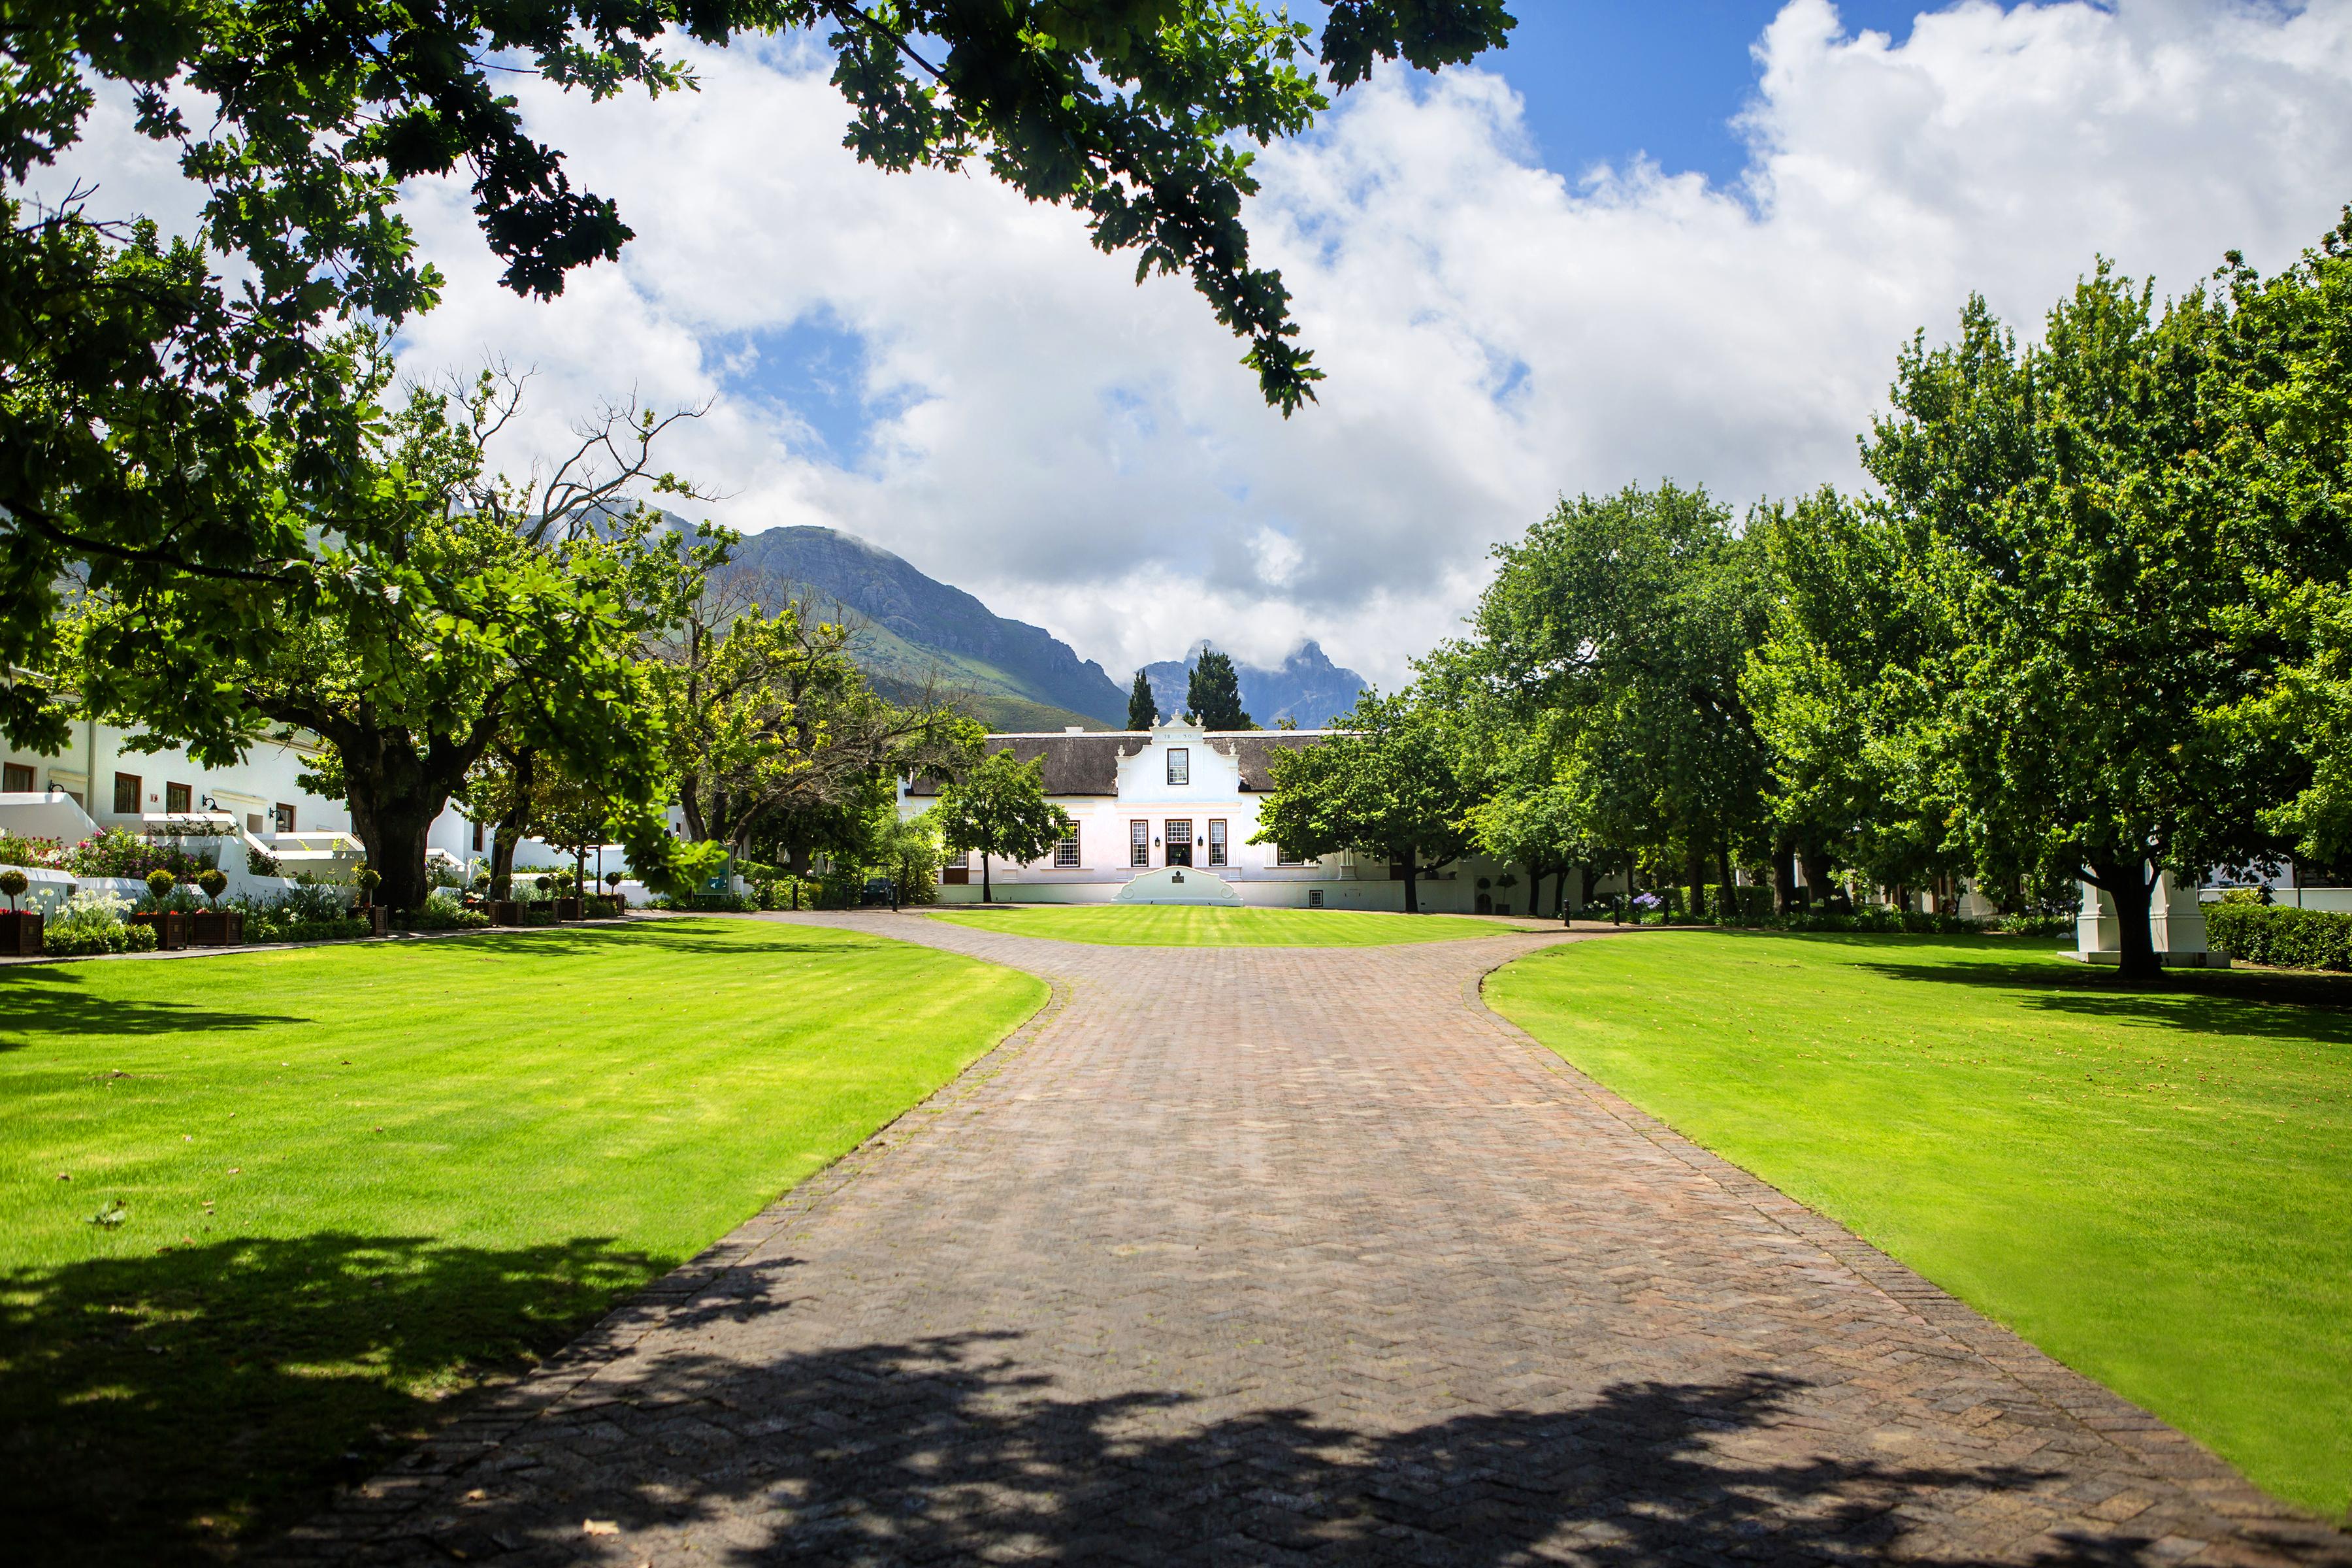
column 999, row 808
column 1213, row 693
column 168, row 429
column 1389, row 784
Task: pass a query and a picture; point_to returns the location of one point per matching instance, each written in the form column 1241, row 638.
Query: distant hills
column 1307, row 688
column 916, row 631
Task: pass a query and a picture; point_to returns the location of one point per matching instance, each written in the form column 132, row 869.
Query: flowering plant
column 16, row 851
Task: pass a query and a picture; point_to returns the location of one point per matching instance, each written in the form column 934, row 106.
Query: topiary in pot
column 214, row 882
column 160, row 884
column 369, row 880
column 13, row 882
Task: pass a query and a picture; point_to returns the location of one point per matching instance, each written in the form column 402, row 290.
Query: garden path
column 1269, row 1255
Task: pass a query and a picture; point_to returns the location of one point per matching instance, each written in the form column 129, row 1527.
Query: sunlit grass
column 355, row 1180
column 2155, row 1186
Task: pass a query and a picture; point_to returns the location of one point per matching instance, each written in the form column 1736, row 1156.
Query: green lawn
column 361, row 1178
column 2154, row 1186
column 1185, row 925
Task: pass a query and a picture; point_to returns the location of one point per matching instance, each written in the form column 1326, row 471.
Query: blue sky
column 1605, row 79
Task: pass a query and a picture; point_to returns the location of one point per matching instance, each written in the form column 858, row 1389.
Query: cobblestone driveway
column 1258, row 1256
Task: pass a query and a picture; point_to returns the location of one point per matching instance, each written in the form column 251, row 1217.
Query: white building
column 1182, row 797
column 261, row 799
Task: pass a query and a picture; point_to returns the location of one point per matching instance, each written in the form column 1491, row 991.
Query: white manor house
column 1180, row 800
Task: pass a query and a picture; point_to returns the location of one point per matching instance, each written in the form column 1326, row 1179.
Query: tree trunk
column 2129, row 887
column 1695, row 876
column 394, row 832
column 1412, row 883
column 511, row 826
column 1784, row 875
column 1723, row 868
column 1820, row 887
column 987, row 893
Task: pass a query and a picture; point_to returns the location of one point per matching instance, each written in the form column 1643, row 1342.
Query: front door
column 1178, row 838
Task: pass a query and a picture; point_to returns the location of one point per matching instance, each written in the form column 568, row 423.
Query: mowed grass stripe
column 1186, row 925
column 361, row 1178
column 2152, row 1185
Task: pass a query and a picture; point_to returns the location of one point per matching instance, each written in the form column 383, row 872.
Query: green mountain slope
column 915, row 634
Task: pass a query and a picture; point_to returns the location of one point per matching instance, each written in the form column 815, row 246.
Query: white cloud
column 1088, row 455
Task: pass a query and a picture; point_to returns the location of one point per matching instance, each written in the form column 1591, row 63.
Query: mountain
column 918, row 630
column 1307, row 687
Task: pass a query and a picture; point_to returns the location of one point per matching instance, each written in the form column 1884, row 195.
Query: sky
column 1683, row 238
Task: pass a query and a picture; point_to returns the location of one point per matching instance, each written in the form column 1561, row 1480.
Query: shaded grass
column 361, row 1179
column 1186, row 925
column 2153, row 1185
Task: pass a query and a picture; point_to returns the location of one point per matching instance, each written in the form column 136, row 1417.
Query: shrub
column 92, row 923
column 18, row 851
column 2280, row 936
column 442, row 912
column 261, row 863
column 118, row 852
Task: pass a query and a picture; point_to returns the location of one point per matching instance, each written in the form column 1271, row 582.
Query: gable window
column 178, row 798
column 18, row 779
column 1179, row 765
column 1217, row 841
column 126, row 794
column 1139, row 843
column 1065, row 853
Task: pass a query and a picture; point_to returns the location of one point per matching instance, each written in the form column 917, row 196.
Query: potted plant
column 20, row 936
column 216, row 926
column 170, row 926
column 567, row 896
column 368, row 910
column 612, row 899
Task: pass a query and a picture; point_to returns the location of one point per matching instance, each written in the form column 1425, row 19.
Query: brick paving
column 1264, row 1256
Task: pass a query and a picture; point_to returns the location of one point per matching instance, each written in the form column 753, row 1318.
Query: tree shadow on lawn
column 572, row 941
column 38, row 1001
column 2208, row 1001
column 948, row 1449
column 167, row 1407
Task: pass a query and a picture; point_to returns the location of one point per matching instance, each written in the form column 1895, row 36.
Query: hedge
column 2280, row 936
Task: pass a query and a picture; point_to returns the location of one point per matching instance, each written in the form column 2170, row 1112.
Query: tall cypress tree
column 1215, row 694
column 1142, row 712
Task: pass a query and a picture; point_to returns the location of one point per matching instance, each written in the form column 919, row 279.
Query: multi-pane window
column 1283, row 855
column 1179, row 765
column 285, row 815
column 178, row 797
column 1139, row 843
column 1065, row 853
column 1179, row 835
column 126, row 794
column 1217, row 841
column 18, row 779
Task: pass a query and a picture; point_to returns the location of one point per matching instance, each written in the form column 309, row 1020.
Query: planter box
column 503, row 911
column 217, row 928
column 604, row 907
column 170, row 926
column 567, row 909
column 20, row 933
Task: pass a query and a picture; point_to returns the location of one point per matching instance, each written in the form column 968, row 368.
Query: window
column 1286, row 856
column 1179, row 765
column 477, row 838
column 1217, row 841
column 1178, row 838
column 1065, row 853
column 16, row 778
column 285, row 815
column 1139, row 843
column 178, row 798
column 126, row 794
